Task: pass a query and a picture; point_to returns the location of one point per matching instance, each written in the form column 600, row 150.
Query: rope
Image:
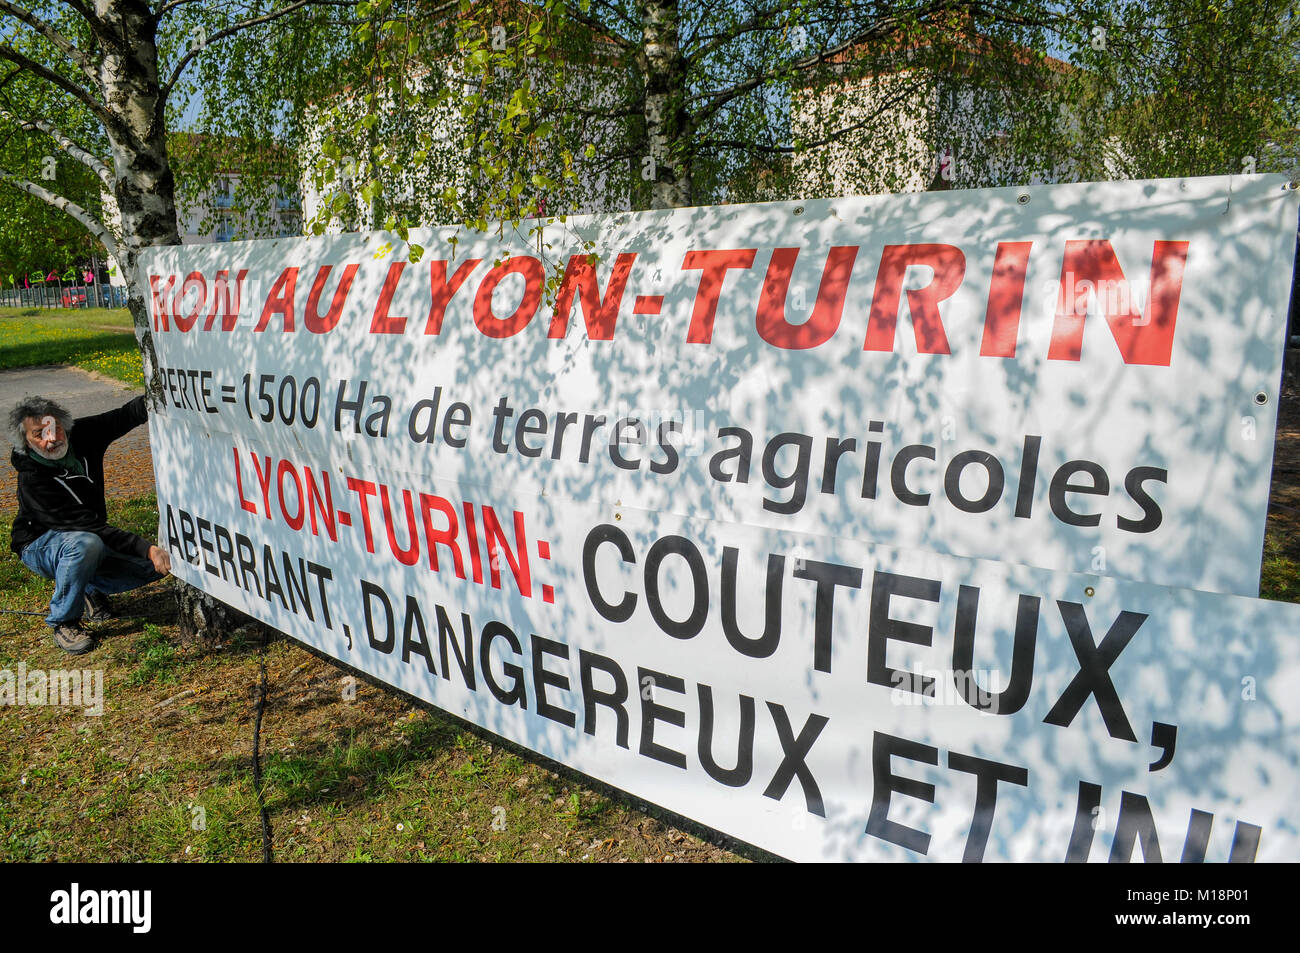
column 17, row 625
column 257, row 762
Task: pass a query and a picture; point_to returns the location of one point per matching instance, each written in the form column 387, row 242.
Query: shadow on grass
column 44, row 351
column 348, row 771
column 447, row 721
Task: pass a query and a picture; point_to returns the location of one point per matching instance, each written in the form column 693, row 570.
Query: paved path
column 128, row 466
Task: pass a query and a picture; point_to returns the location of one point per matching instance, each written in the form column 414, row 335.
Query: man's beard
column 56, row 454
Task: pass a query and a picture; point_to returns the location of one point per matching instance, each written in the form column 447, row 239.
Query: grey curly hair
column 36, row 408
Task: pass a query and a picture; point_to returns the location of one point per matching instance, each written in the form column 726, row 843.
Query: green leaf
column 516, row 104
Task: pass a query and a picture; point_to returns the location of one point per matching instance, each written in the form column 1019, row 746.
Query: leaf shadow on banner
column 959, row 402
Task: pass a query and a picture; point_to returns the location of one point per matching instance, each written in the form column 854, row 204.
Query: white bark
column 144, row 185
column 82, row 155
column 88, row 221
column 668, row 125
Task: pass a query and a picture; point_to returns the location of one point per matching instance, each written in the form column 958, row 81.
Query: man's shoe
column 98, row 608
column 73, row 639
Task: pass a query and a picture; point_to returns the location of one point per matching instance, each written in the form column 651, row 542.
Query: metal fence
column 55, row 295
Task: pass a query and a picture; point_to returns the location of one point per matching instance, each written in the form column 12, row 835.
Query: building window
column 225, row 197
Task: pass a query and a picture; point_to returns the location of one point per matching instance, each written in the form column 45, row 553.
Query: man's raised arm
column 103, row 429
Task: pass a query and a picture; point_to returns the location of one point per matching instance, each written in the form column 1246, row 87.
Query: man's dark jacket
column 57, row 498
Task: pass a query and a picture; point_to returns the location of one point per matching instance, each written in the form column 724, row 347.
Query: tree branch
column 880, row 28
column 168, row 7
column 47, row 30
column 81, row 154
column 761, row 19
column 618, row 14
column 1015, row 15
column 831, row 137
column 86, row 12
column 88, row 221
column 244, row 25
column 598, row 28
column 99, row 110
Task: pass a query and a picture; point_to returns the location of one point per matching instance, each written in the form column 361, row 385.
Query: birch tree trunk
column 144, row 188
column 145, row 194
column 668, row 122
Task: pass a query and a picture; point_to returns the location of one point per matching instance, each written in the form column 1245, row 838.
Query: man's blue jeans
column 80, row 563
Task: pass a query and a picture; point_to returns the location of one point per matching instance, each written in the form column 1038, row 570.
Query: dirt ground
column 1284, row 497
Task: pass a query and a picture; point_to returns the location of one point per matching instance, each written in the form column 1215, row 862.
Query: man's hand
column 161, row 559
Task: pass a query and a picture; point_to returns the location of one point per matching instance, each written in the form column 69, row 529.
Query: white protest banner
column 702, row 526
column 823, row 698
column 1079, row 377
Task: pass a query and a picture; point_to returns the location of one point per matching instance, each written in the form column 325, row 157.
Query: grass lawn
column 1280, row 573
column 352, row 771
column 97, row 339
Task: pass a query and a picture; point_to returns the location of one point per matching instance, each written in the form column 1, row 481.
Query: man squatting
column 61, row 531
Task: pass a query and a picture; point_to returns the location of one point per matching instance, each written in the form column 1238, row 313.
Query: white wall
column 914, row 134
column 421, row 185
